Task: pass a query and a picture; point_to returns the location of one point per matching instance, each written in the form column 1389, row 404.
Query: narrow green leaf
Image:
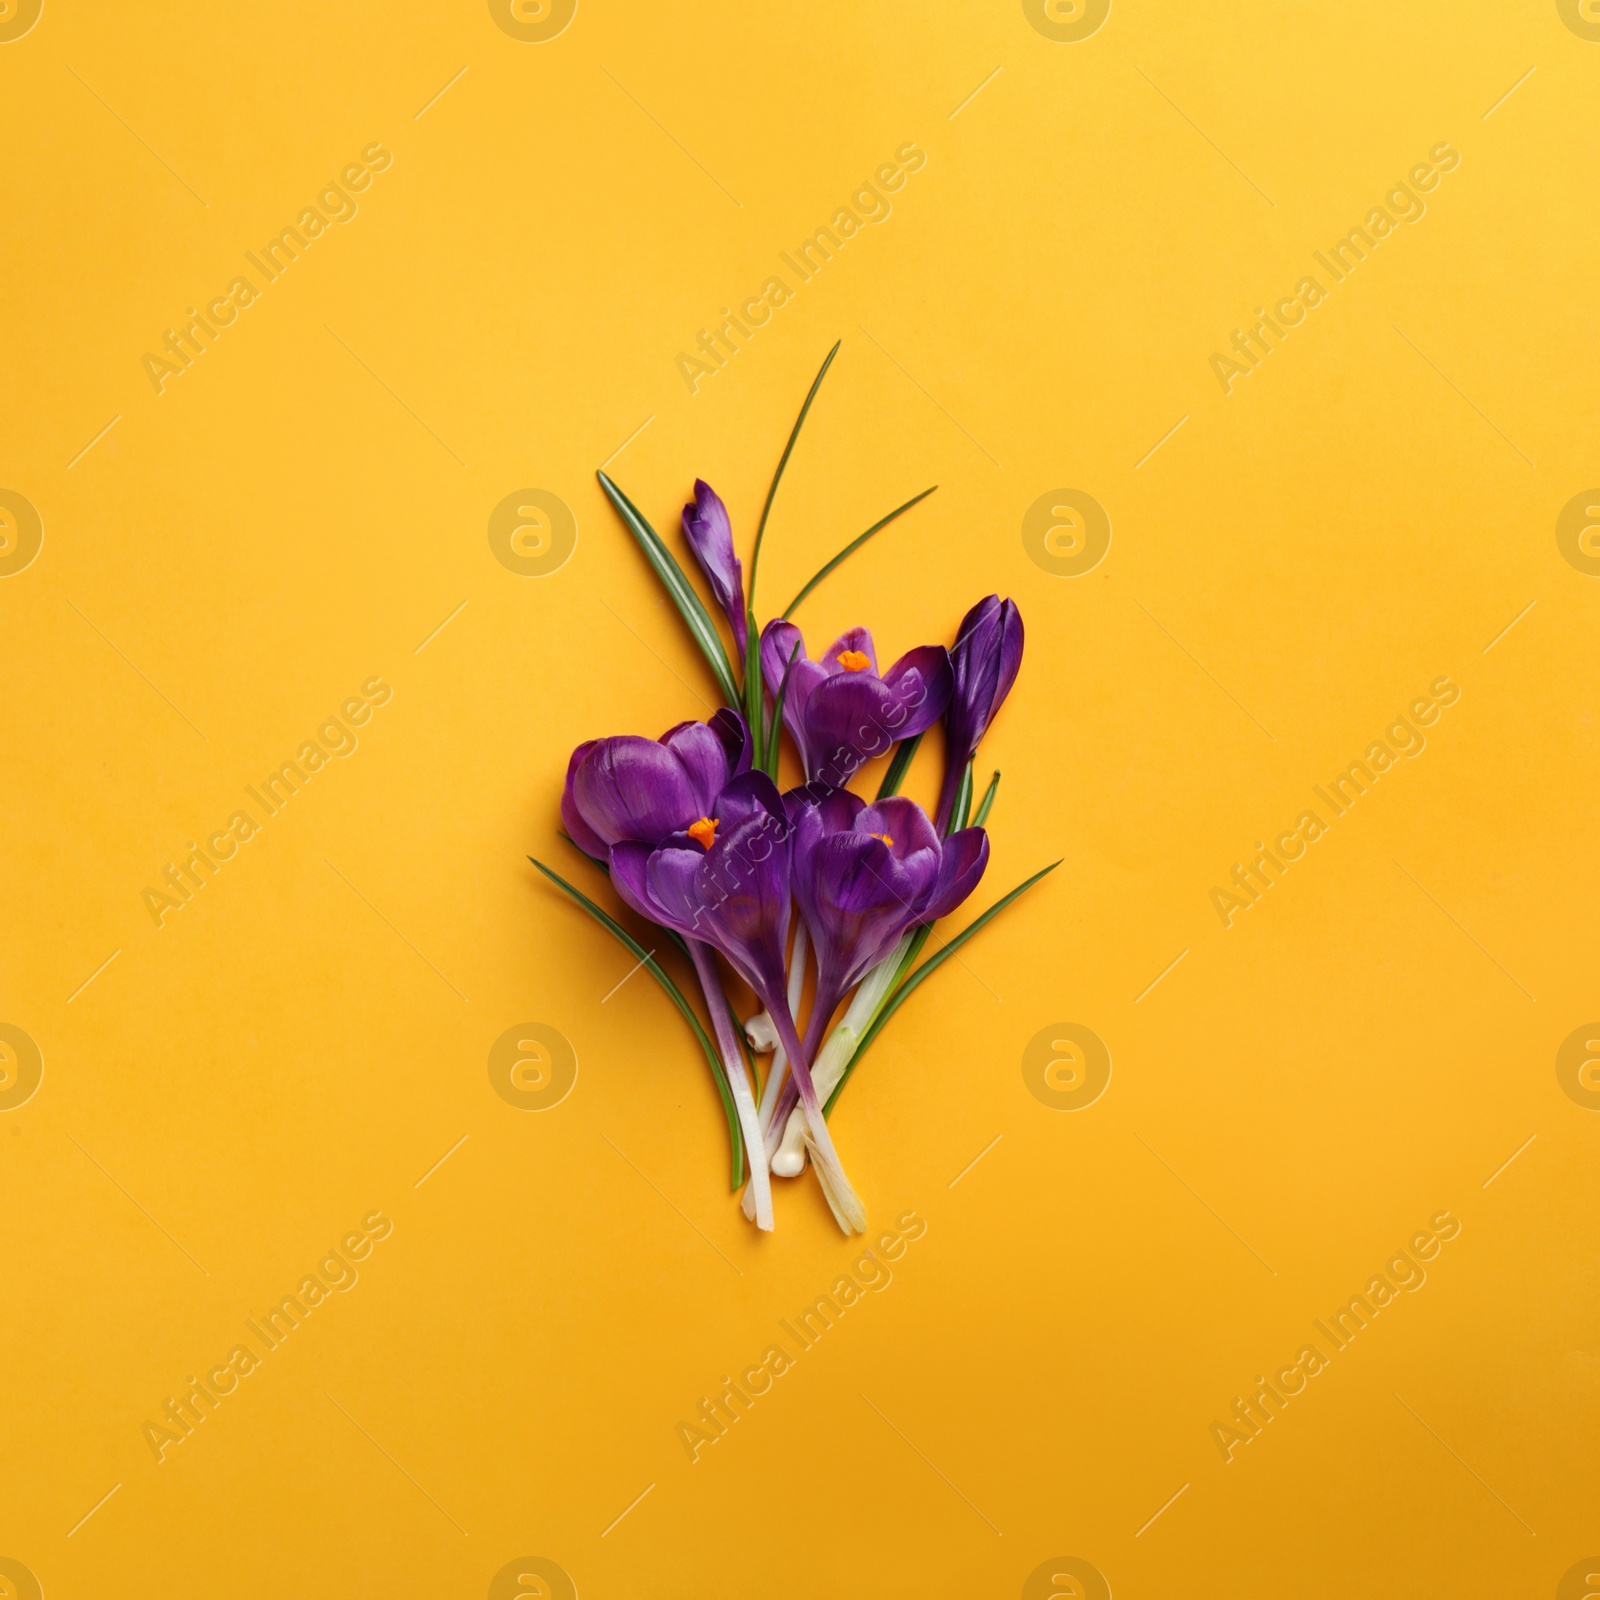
column 963, row 806
column 909, row 960
column 794, row 433
column 690, row 606
column 675, row 994
column 904, row 754
column 852, row 547
column 981, row 816
column 926, row 970
column 775, row 731
column 752, row 690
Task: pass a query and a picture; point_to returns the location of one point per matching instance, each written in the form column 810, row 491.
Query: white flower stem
column 759, row 1188
column 846, row 1206
column 777, row 1070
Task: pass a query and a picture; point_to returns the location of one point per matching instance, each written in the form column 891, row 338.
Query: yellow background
column 303, row 1042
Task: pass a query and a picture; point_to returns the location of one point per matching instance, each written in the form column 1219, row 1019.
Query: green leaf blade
column 905, row 752
column 690, row 606
column 775, row 731
column 962, row 809
column 777, row 477
column 752, row 691
column 854, row 545
column 981, row 815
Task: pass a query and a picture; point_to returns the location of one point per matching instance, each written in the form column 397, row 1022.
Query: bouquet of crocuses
column 697, row 839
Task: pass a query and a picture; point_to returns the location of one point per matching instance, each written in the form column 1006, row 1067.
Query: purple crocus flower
column 710, row 535
column 984, row 662
column 728, row 885
column 630, row 787
column 864, row 875
column 839, row 711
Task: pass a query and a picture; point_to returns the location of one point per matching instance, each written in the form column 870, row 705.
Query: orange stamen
column 886, row 839
column 704, row 832
column 853, row 660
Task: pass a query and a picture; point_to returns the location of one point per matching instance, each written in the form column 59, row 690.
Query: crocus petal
column 704, row 758
column 920, row 683
column 975, row 669
column 628, row 862
column 734, row 732
column 738, row 896
column 863, row 899
column 1010, row 655
column 633, row 788
column 854, row 873
column 969, row 719
column 857, row 892
column 836, row 809
column 965, row 857
column 579, row 831
column 710, row 535
column 856, row 639
column 672, row 882
column 902, row 820
column 778, row 641
column 849, row 719
column 748, row 794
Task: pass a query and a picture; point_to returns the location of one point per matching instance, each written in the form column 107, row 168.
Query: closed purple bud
column 710, row 535
column 983, row 662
